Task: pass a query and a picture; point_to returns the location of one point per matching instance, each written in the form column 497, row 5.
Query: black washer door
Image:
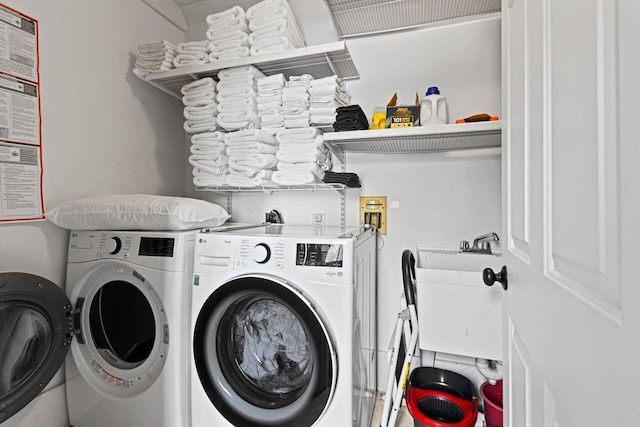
column 262, row 355
column 35, row 333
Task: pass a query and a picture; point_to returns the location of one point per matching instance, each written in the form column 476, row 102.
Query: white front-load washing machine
column 125, row 317
column 283, row 327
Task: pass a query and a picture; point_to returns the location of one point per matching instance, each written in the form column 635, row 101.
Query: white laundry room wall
column 104, row 131
column 441, row 198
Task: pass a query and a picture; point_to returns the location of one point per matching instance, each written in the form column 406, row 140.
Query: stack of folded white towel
column 228, row 34
column 326, row 95
column 237, row 98
column 269, row 102
column 295, row 101
column 252, row 158
column 209, row 160
column 192, row 53
column 273, row 27
column 302, row 157
column 154, row 57
column 200, row 108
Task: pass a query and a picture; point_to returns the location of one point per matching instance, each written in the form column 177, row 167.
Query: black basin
column 442, row 380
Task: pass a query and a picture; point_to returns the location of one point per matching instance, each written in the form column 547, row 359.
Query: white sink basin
column 449, row 259
column 457, row 312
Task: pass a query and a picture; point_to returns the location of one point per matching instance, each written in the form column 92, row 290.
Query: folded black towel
column 350, row 117
column 346, row 178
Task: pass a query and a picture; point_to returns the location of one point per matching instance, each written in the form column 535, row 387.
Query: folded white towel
column 236, row 36
column 234, row 104
column 293, row 178
column 208, row 138
column 237, row 180
column 210, row 180
column 256, row 148
column 272, row 120
column 301, row 157
column 185, row 59
column 238, row 119
column 298, row 114
column 291, row 96
column 199, row 99
column 205, row 161
column 297, row 147
column 247, row 169
column 260, row 173
column 216, row 171
column 263, row 99
column 263, row 6
column 216, row 50
column 198, row 86
column 241, row 71
column 284, row 44
column 295, row 135
column 203, row 112
column 238, row 92
column 319, row 120
column 234, row 12
column 269, row 37
column 220, row 148
column 257, row 161
column 250, row 135
column 236, row 24
column 234, row 53
column 322, row 111
column 197, row 126
column 317, row 142
column 278, row 27
column 155, row 46
column 310, row 167
column 302, row 80
column 236, row 83
column 268, row 107
column 197, row 46
column 331, row 81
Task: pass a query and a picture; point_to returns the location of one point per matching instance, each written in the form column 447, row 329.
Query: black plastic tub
column 442, row 380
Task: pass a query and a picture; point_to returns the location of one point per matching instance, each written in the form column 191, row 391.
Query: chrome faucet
column 481, row 244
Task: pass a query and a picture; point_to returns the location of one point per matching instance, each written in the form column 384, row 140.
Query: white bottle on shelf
column 433, row 108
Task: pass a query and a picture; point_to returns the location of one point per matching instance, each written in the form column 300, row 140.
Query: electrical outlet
column 373, row 212
column 318, row 219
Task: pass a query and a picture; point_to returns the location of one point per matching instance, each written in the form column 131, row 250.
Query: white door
column 571, row 195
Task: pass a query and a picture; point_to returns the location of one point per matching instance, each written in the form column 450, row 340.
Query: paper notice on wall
column 20, row 133
column 20, row 191
column 18, row 44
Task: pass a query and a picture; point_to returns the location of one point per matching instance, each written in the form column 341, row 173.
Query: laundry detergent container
column 457, row 312
column 441, row 398
column 492, row 397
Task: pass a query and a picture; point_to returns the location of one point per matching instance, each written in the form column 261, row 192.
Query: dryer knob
column 261, row 253
column 114, row 245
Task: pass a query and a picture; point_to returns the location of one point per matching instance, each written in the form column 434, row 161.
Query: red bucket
column 492, row 396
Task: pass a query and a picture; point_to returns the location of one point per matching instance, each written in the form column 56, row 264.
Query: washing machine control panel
column 319, row 254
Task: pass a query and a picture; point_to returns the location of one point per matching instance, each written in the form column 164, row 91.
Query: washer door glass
column 124, row 330
column 262, row 354
column 34, row 337
column 122, row 324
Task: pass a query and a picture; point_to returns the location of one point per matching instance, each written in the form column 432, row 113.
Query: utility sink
column 449, row 259
column 457, row 312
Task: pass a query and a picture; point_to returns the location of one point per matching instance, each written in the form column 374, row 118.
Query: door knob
column 489, row 277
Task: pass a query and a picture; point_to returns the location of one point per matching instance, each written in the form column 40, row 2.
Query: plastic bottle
column 433, row 108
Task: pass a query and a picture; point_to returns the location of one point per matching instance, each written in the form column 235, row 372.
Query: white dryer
column 283, row 327
column 125, row 318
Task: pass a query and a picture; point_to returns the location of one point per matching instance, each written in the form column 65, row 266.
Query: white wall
column 103, row 129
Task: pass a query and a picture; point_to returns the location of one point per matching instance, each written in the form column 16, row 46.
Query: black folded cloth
column 350, row 117
column 346, row 178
